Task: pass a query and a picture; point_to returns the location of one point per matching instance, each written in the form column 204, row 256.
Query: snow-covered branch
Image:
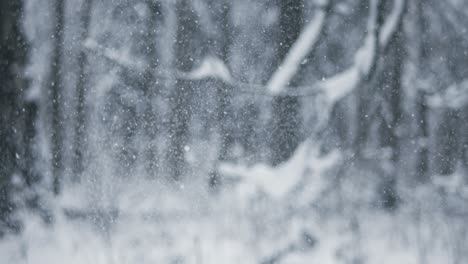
column 306, row 42
column 120, row 58
column 340, row 85
column 391, row 25
column 334, row 88
column 281, row 180
column 210, row 67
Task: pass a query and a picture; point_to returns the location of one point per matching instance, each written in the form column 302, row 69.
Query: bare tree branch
column 334, row 88
column 304, row 45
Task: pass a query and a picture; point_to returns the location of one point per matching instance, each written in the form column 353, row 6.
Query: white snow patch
column 211, row 67
column 455, row 96
column 340, row 85
column 279, row 181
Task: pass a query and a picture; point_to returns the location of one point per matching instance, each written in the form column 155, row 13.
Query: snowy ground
column 248, row 222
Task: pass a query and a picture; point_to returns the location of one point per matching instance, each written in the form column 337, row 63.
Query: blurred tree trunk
column 464, row 145
column 55, row 82
column 17, row 113
column 80, row 125
column 392, row 91
column 422, row 160
column 364, row 100
column 285, row 134
column 447, row 141
column 180, row 98
column 224, row 95
column 151, row 90
column 223, row 115
column 365, row 93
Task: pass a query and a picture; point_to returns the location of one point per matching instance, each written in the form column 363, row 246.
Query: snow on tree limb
column 121, row 58
column 281, row 180
column 334, row 88
column 306, row 42
column 391, row 25
column 210, row 67
column 340, row 85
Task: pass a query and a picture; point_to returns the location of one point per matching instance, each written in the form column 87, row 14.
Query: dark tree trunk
column 55, row 82
column 390, row 123
column 447, row 142
column 223, row 108
column 364, row 116
column 151, row 90
column 17, row 113
column 180, row 99
column 285, row 134
column 365, row 93
column 422, row 159
column 80, row 125
column 464, row 145
column 223, row 114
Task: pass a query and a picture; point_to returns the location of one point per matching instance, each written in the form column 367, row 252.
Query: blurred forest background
column 221, row 131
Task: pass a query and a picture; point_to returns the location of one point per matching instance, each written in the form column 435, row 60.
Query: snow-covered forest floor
column 249, row 221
